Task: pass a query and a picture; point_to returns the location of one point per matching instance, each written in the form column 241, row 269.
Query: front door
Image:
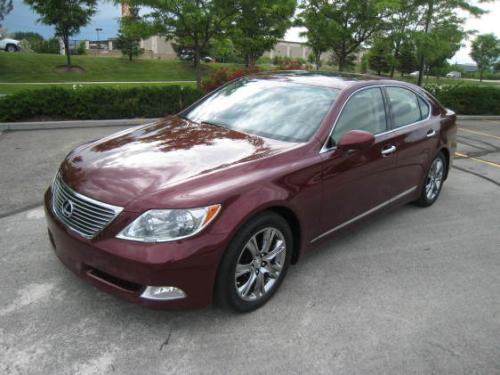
column 358, row 182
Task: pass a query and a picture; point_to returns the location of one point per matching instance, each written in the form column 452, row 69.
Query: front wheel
column 433, row 182
column 255, row 263
column 11, row 48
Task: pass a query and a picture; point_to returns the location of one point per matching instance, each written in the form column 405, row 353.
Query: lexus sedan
column 216, row 202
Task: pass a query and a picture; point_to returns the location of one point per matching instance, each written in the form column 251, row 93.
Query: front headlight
column 169, row 225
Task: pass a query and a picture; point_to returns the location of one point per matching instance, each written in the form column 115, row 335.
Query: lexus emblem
column 67, row 208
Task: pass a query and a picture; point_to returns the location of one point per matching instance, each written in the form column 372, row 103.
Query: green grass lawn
column 34, row 67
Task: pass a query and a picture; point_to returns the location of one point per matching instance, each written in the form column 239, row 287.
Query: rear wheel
column 433, row 182
column 255, row 263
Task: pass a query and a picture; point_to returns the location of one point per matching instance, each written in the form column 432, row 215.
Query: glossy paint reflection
column 119, row 168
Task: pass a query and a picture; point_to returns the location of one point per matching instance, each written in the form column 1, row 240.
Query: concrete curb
column 477, row 117
column 19, row 126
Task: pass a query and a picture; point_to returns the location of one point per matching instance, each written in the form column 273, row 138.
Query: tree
column 130, row 34
column 406, row 59
column 312, row 17
column 258, row 25
column 433, row 11
column 400, row 26
column 190, row 23
column 129, row 45
column 485, row 51
column 5, row 8
column 380, row 56
column 440, row 44
column 350, row 23
column 67, row 16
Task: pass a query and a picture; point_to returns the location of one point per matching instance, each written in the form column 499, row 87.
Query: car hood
column 136, row 162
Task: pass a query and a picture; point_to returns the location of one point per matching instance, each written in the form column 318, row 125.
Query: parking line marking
column 480, row 133
column 491, row 163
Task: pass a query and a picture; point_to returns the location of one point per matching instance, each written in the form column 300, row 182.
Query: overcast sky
column 22, row 18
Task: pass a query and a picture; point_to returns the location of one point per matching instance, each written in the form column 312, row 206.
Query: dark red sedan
column 217, row 201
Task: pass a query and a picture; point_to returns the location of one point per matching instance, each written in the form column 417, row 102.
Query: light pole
column 98, row 46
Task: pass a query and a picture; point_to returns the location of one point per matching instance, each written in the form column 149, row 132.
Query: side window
column 405, row 108
column 365, row 110
column 424, row 108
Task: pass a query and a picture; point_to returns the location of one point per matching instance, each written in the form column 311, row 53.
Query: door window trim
column 387, row 106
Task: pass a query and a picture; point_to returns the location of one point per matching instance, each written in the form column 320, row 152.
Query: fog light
column 163, row 293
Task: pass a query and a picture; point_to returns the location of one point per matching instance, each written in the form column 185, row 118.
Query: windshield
column 279, row 110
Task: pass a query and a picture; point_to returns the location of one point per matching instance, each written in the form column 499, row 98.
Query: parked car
column 219, row 200
column 415, row 73
column 454, row 74
column 9, row 45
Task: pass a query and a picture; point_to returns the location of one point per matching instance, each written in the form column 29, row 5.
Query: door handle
column 388, row 150
column 431, row 133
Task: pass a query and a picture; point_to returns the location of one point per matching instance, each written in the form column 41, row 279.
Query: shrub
column 468, row 99
column 218, row 77
column 94, row 102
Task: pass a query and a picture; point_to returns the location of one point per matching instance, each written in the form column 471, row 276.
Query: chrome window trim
column 366, row 213
column 381, row 86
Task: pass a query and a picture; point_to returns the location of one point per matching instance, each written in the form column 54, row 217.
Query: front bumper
column 124, row 268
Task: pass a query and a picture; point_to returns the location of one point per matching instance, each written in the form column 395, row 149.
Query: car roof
column 326, row 79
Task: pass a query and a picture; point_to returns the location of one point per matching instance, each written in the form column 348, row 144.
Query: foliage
column 36, row 43
column 128, row 45
column 30, row 40
column 288, row 63
column 49, row 46
column 192, row 24
column 401, row 25
column 130, row 34
column 485, row 51
column 441, row 32
column 380, row 56
column 347, row 24
column 258, row 24
column 223, row 50
column 442, row 42
column 312, row 17
column 468, row 99
column 5, row 8
column 81, row 50
column 66, row 16
column 406, row 58
column 96, row 103
column 219, row 77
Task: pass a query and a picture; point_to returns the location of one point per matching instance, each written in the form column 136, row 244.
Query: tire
column 11, row 48
column 265, row 268
column 433, row 183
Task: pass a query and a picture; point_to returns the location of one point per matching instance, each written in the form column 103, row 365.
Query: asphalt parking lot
column 414, row 291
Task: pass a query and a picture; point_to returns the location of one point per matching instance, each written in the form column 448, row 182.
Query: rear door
column 415, row 135
column 358, row 181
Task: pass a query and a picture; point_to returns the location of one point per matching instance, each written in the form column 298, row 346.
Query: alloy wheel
column 260, row 264
column 434, row 179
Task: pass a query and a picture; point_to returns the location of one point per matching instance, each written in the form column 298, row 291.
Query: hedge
column 94, row 102
column 467, row 99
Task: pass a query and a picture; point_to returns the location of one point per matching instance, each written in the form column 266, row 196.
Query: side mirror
column 355, row 140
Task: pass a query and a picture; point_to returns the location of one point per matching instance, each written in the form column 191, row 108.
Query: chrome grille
column 82, row 214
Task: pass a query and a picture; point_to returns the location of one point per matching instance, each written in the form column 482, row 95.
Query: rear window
column 405, row 107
